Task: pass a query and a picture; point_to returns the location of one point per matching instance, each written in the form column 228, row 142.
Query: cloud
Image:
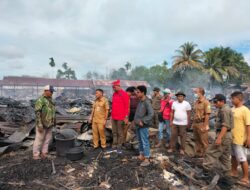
column 247, row 57
column 104, row 34
column 11, row 52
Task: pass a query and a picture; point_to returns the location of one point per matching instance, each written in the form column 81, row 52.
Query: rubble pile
column 80, row 106
column 16, row 111
column 112, row 169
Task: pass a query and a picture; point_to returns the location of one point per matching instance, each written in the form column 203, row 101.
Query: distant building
column 32, row 87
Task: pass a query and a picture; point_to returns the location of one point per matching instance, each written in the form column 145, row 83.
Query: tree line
column 218, row 66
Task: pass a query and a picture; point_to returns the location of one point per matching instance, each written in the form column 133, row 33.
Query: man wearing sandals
column 179, row 121
column 45, row 120
column 143, row 120
column 241, row 137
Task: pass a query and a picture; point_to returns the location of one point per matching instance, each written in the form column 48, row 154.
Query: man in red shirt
column 119, row 114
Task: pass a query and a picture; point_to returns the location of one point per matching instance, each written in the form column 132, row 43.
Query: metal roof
column 36, row 81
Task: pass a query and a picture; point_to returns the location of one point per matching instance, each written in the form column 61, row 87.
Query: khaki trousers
column 99, row 134
column 42, row 140
column 201, row 139
column 155, row 119
column 219, row 156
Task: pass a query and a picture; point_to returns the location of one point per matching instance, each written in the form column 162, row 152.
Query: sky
column 101, row 35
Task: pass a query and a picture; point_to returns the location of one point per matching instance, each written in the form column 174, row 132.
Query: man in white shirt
column 179, row 121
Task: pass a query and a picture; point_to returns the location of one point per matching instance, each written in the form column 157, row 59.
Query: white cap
column 50, row 88
column 167, row 91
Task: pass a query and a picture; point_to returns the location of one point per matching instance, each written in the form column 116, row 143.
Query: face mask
column 196, row 96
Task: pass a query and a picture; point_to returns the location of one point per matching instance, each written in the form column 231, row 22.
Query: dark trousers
column 118, row 132
column 155, row 119
column 178, row 130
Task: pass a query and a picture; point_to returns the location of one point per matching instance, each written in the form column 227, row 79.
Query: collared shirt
column 144, row 113
column 120, row 105
column 201, row 109
column 45, row 112
column 156, row 102
column 100, row 110
column 224, row 118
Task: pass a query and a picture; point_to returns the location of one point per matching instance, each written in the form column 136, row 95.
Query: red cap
column 116, row 83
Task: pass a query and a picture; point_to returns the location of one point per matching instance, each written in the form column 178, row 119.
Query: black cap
column 157, row 89
column 219, row 97
column 180, row 93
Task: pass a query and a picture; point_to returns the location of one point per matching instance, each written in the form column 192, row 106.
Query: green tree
column 52, row 65
column 119, row 74
column 217, row 68
column 188, row 57
column 66, row 73
column 52, row 62
column 128, row 66
column 165, row 63
column 89, row 75
column 226, row 65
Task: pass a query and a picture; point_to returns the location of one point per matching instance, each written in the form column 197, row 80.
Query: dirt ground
column 18, row 171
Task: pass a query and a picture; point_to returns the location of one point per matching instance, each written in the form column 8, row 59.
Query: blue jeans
column 143, row 138
column 168, row 130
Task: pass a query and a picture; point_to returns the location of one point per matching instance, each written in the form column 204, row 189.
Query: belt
column 199, row 120
column 219, row 130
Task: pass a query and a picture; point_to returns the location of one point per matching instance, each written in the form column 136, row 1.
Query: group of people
column 133, row 108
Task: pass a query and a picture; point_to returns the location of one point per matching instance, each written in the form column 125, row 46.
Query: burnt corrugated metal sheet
column 125, row 83
column 247, row 90
column 36, row 81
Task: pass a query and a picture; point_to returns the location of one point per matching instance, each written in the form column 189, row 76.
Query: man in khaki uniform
column 221, row 149
column 202, row 110
column 156, row 104
column 98, row 119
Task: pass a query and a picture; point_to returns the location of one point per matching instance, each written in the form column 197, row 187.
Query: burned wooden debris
column 112, row 169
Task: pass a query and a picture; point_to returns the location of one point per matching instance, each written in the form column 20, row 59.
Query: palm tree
column 218, row 70
column 165, row 63
column 52, row 64
column 188, row 57
column 128, row 66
